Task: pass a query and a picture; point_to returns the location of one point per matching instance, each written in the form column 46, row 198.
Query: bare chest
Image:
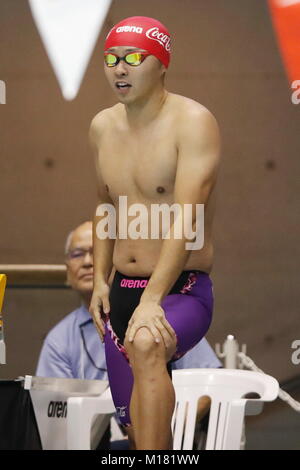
column 141, row 165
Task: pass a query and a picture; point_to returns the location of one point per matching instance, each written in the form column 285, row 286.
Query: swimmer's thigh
column 189, row 318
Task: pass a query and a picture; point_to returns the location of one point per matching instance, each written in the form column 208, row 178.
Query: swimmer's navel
column 132, row 260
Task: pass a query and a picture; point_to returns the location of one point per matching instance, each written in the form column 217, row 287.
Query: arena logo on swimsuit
column 134, row 283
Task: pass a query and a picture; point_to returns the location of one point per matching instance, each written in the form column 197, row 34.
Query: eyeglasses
column 132, row 58
column 79, row 253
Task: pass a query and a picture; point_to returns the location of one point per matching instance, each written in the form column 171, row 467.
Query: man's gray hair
column 70, row 236
column 68, row 242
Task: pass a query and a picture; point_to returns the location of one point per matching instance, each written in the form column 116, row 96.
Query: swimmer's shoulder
column 193, row 119
column 102, row 119
column 186, row 108
column 101, row 122
column 106, row 117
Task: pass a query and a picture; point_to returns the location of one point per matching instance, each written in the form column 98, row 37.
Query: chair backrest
column 228, row 390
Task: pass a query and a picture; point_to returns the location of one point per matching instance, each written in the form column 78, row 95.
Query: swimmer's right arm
column 103, row 248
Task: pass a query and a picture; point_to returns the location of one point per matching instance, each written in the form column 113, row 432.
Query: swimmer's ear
column 163, row 69
column 163, row 73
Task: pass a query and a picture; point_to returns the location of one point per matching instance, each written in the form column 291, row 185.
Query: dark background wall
column 225, row 56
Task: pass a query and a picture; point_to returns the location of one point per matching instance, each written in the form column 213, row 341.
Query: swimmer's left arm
column 197, row 168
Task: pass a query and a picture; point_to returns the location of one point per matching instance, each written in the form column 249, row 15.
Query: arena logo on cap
column 129, row 29
column 163, row 39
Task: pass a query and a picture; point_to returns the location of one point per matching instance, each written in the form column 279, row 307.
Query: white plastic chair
column 82, row 420
column 226, row 389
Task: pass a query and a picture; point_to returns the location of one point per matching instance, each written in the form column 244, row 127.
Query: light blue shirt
column 73, row 349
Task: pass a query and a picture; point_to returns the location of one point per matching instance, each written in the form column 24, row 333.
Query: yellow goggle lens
column 132, row 59
column 110, row 59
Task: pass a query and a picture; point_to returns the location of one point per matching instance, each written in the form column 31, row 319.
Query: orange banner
column 286, row 22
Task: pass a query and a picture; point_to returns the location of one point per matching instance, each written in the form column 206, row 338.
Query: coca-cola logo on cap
column 163, row 39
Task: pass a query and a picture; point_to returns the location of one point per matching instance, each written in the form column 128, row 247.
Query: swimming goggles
column 132, row 58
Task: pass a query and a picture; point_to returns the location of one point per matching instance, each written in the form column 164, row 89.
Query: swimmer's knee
column 143, row 342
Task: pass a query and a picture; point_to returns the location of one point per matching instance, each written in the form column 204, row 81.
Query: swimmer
column 155, row 147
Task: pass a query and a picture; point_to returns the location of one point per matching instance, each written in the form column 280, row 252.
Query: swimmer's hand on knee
column 152, row 316
column 99, row 307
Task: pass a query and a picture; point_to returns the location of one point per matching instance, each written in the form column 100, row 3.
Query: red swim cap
column 142, row 32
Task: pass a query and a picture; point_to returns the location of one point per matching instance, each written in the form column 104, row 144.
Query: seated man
column 72, row 349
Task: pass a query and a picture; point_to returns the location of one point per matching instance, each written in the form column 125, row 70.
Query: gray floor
column 276, row 428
